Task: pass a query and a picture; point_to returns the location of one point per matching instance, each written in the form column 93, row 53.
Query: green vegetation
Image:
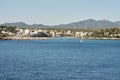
column 1, row 34
column 40, row 34
column 6, row 29
column 9, row 29
column 108, row 33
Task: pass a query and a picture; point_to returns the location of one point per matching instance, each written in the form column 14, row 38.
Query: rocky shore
column 24, row 38
column 46, row 38
column 104, row 38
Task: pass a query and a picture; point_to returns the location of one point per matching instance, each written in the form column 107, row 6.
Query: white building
column 79, row 34
column 52, row 33
column 26, row 32
column 33, row 33
column 69, row 33
column 58, row 34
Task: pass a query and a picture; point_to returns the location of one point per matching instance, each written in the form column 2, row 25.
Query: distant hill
column 24, row 25
column 90, row 23
column 86, row 24
column 17, row 24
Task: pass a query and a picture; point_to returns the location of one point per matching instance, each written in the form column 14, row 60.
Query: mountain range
column 85, row 24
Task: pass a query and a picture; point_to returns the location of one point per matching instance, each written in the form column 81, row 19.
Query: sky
column 53, row 12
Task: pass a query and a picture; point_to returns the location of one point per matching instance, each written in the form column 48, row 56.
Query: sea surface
column 60, row 59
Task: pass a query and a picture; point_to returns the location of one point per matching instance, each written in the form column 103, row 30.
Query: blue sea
column 60, row 59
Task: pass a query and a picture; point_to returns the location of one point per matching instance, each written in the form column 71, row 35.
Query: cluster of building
column 34, row 33
column 8, row 33
column 30, row 32
column 46, row 33
column 50, row 33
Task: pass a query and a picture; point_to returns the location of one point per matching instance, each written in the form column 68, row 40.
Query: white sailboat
column 81, row 41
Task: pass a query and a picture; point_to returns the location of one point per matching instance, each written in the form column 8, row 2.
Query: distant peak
column 104, row 20
column 21, row 22
column 91, row 19
column 16, row 23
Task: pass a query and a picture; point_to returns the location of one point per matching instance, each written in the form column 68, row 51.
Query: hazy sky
column 52, row 12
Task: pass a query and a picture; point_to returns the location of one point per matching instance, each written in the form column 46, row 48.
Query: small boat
column 81, row 41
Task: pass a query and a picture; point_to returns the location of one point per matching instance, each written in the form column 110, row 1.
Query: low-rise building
column 58, row 34
column 79, row 34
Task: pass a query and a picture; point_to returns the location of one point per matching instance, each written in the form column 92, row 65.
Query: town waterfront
column 60, row 59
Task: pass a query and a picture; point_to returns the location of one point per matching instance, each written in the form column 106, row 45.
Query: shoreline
column 103, row 38
column 24, row 38
column 91, row 38
column 46, row 38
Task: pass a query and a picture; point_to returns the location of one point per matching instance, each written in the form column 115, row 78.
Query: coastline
column 24, row 38
column 46, row 38
column 103, row 38
column 91, row 38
